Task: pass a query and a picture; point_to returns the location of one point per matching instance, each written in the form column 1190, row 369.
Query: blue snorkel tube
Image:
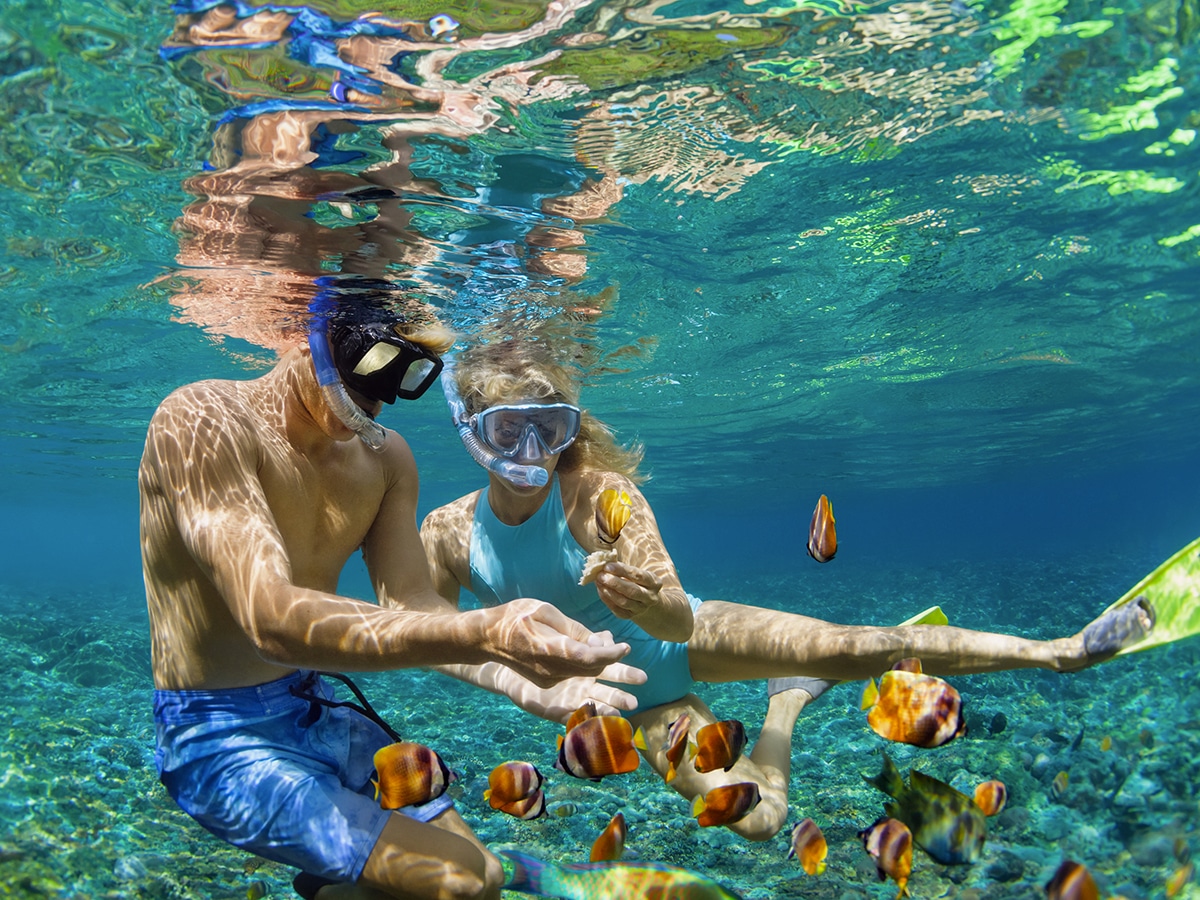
column 515, row 473
column 348, row 412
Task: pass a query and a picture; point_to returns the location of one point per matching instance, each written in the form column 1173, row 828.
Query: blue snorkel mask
column 500, row 435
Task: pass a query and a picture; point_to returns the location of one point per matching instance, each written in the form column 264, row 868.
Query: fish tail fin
column 487, row 794
column 698, row 805
column 889, row 780
column 693, row 749
column 524, row 873
column 559, row 743
column 870, row 694
column 639, row 739
column 376, row 783
column 670, row 776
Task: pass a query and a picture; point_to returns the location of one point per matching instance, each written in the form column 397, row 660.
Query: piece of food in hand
column 594, row 563
column 613, row 509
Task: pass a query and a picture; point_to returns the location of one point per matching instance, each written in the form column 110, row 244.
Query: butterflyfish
column 718, row 746
column 822, row 535
column 526, row 807
column 611, row 842
column 945, row 823
column 409, row 774
column 808, row 847
column 1179, row 878
column 890, row 842
column 1072, row 881
column 599, row 746
column 991, row 797
column 677, row 744
column 1058, row 787
column 510, row 782
column 613, row 509
column 606, row 880
column 726, row 804
column 587, row 711
column 914, row 708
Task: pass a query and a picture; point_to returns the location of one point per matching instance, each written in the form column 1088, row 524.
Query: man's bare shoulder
column 203, row 420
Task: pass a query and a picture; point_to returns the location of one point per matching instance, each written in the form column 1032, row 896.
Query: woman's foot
column 1118, row 628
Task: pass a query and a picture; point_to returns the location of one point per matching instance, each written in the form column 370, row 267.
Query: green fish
column 607, row 880
column 945, row 824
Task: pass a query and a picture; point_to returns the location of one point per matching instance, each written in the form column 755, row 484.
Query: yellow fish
column 510, row 782
column 677, row 744
column 599, row 746
column 891, row 843
column 718, row 746
column 1179, row 878
column 726, row 804
column 1058, row 786
column 822, row 535
column 809, row 847
column 611, row 842
column 409, row 774
column 1072, row 881
column 991, row 797
column 914, row 708
column 613, row 509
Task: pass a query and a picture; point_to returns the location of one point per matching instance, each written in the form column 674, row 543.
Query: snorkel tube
column 515, row 473
column 348, row 412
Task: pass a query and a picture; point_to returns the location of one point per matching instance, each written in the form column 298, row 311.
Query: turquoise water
column 937, row 261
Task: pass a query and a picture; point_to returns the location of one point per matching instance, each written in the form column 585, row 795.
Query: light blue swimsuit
column 540, row 558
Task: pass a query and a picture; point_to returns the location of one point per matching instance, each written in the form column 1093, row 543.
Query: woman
column 517, row 408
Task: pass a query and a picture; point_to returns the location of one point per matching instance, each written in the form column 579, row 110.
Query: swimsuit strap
column 305, row 691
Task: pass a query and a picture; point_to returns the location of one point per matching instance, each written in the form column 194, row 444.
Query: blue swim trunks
column 257, row 769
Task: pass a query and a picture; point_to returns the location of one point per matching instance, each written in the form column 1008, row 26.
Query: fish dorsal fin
column 558, row 746
column 870, row 694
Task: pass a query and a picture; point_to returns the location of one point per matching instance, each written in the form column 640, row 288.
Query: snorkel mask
column 373, row 359
column 500, row 435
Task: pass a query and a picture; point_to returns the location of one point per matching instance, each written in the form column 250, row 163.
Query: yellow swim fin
column 931, row 616
column 1173, row 592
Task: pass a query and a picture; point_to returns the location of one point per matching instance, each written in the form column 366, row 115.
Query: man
column 253, row 496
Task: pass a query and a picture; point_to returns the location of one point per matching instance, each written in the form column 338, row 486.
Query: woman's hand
column 627, row 590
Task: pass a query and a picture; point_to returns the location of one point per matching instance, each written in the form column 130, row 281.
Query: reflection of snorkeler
column 253, row 497
column 510, row 540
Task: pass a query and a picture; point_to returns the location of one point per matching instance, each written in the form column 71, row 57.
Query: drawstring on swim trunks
column 305, row 691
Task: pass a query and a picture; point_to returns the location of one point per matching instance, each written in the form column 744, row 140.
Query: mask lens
column 416, row 375
column 378, row 357
column 503, row 428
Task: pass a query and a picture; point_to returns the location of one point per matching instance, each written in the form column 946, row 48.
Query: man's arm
column 205, row 461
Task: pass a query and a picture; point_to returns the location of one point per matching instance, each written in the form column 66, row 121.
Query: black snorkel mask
column 374, row 360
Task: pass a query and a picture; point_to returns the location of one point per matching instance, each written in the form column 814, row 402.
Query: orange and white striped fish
column 526, row 807
column 726, row 804
column 611, row 842
column 991, row 797
column 510, row 782
column 1072, row 881
column 718, row 746
column 822, row 533
column 809, row 847
column 911, row 707
column 676, row 745
column 409, row 774
column 891, row 843
column 599, row 746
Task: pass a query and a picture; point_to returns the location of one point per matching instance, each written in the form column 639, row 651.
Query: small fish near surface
column 822, row 533
column 1072, row 881
column 599, row 746
column 890, row 842
column 409, row 774
column 726, row 804
column 613, row 510
column 718, row 746
column 676, row 744
column 510, row 782
column 910, row 707
column 808, row 846
column 607, row 880
column 945, row 823
column 991, row 797
column 611, row 843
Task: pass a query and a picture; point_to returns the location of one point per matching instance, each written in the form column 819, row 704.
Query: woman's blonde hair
column 518, row 369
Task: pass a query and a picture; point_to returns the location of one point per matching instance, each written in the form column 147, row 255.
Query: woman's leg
column 734, row 642
column 768, row 766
